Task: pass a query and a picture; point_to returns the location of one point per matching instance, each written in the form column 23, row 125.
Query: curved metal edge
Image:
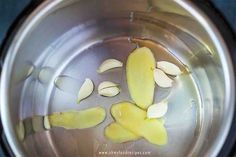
column 221, row 33
column 14, row 28
column 9, row 49
column 229, row 147
column 5, row 148
column 43, row 9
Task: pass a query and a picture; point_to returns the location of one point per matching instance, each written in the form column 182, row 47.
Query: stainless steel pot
column 68, row 39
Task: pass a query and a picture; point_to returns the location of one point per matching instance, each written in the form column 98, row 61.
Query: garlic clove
column 46, row 123
column 106, row 84
column 157, row 110
column 109, row 64
column 85, row 90
column 109, row 92
column 169, row 68
column 162, row 79
column 108, row 89
column 20, row 130
column 37, row 123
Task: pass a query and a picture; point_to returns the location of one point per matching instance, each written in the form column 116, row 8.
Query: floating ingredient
column 20, row 130
column 118, row 134
column 157, row 110
column 38, row 123
column 169, row 68
column 161, row 79
column 134, row 119
column 78, row 119
column 153, row 131
column 85, row 90
column 108, row 89
column 106, row 84
column 109, row 64
column 140, row 80
column 46, row 123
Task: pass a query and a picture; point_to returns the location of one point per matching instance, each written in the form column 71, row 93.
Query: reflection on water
column 67, row 84
column 30, row 126
column 45, row 74
column 42, row 74
column 26, row 71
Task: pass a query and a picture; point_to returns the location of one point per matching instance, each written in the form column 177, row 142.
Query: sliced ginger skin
column 118, row 134
column 134, row 119
column 78, row 119
column 139, row 73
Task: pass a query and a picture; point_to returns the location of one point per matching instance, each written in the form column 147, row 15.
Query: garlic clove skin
column 169, row 68
column 157, row 110
column 162, row 79
column 85, row 90
column 109, row 64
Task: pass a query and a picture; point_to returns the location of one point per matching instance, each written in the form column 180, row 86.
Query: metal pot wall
column 70, row 38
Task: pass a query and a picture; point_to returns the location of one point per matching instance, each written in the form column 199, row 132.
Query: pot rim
column 227, row 65
column 47, row 6
column 23, row 30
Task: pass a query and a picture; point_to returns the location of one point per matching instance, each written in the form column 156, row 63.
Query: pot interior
column 68, row 43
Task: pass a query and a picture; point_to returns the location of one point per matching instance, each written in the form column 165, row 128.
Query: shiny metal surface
column 69, row 39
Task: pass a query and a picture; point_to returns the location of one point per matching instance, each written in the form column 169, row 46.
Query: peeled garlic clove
column 106, row 84
column 109, row 92
column 168, row 68
column 109, row 64
column 20, row 130
column 85, row 90
column 162, row 79
column 108, row 89
column 46, row 123
column 157, row 110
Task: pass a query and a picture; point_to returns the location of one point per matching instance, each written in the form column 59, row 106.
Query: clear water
column 57, row 82
column 181, row 120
